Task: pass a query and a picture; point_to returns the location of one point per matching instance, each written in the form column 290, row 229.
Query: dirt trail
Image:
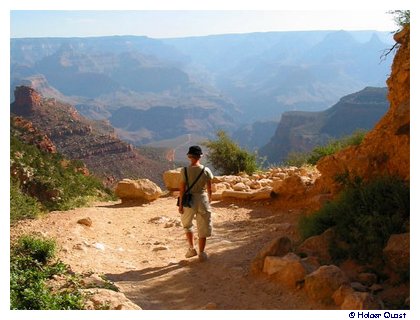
column 141, row 249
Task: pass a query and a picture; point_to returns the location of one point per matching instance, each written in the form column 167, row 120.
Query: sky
column 181, row 23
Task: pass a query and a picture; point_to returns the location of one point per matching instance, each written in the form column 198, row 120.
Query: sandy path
column 141, row 249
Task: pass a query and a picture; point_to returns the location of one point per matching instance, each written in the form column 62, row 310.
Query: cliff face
column 386, row 149
column 302, row 131
column 93, row 142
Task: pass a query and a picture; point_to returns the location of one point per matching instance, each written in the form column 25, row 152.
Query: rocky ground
column 141, row 249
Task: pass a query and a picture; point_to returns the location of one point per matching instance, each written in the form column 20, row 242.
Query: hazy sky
column 160, row 24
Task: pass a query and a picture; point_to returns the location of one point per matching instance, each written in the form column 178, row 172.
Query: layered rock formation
column 93, row 142
column 31, row 135
column 300, row 131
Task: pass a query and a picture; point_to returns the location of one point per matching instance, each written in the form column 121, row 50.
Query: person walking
column 196, row 180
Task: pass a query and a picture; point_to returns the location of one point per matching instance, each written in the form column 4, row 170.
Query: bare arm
column 209, row 189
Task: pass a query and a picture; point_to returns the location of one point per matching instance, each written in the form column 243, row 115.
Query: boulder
column 236, row 195
column 321, row 284
column 172, row 179
column 94, row 281
column 292, row 186
column 310, row 264
column 318, row 246
column 287, row 270
column 341, row 293
column 277, row 247
column 261, row 194
column 240, row 187
column 397, row 253
column 361, row 301
column 104, row 298
column 139, row 190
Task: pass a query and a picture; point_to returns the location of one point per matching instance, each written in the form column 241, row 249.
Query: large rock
column 256, row 195
column 139, row 190
column 341, row 293
column 277, row 247
column 321, row 284
column 288, row 186
column 287, row 270
column 361, row 301
column 98, row 299
column 318, row 246
column 397, row 253
column 172, row 179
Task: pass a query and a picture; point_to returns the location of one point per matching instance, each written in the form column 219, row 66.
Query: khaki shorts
column 200, row 210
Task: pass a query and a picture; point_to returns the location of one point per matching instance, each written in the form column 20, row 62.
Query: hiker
column 197, row 182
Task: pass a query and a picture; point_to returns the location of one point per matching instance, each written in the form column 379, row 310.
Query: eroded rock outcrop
column 386, row 149
column 78, row 138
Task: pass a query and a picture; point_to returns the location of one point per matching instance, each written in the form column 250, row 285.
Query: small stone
column 161, row 248
column 210, row 306
column 99, row 246
column 376, row 288
column 357, row 286
column 85, row 221
column 80, row 247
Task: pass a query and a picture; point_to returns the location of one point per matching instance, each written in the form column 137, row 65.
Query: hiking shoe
column 202, row 256
column 191, row 253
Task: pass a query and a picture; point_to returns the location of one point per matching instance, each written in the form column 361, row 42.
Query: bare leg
column 201, row 244
column 190, row 239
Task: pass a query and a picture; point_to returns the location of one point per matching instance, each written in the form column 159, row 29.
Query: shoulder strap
column 186, row 178
column 196, row 179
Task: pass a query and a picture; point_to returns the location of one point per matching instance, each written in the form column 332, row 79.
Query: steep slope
column 92, row 142
column 386, row 149
column 302, row 131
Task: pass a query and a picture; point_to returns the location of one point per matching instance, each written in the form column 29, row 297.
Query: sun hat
column 195, row 151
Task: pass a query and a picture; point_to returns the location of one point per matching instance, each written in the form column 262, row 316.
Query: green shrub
column 22, row 206
column 364, row 216
column 30, row 268
column 52, row 181
column 300, row 158
column 39, row 249
column 228, row 158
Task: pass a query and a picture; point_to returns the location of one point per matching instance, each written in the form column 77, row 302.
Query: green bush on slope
column 301, row 158
column 53, row 182
column 364, row 216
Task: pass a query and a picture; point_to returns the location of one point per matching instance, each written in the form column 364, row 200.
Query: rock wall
column 386, row 149
column 78, row 138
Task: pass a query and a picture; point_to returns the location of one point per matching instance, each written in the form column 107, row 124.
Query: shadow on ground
column 224, row 279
